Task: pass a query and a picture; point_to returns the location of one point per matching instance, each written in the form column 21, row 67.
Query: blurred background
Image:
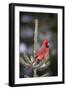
column 47, row 29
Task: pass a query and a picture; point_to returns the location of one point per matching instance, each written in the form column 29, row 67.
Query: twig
column 35, row 36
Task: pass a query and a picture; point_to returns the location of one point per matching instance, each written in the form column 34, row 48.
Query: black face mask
column 47, row 46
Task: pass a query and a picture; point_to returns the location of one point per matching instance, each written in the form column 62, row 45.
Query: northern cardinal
column 42, row 52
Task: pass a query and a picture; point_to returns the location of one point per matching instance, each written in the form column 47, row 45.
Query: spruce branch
column 21, row 60
column 27, row 59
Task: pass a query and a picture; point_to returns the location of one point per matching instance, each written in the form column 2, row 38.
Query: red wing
column 40, row 52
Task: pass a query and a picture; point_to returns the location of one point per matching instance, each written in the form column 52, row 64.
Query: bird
column 42, row 53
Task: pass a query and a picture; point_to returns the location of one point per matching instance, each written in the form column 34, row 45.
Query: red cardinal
column 42, row 52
